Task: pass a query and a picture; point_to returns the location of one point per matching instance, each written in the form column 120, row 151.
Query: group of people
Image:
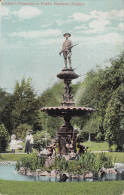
column 50, row 150
column 28, row 143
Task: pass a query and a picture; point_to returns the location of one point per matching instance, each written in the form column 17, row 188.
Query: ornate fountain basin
column 66, row 110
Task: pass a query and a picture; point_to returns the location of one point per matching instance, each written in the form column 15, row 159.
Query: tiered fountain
column 66, row 134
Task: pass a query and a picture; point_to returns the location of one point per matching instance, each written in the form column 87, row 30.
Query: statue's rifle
column 68, row 48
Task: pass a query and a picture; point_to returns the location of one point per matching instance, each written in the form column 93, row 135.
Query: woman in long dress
column 29, row 142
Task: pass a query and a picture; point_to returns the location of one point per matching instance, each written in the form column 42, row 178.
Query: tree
column 22, row 107
column 50, row 124
column 51, row 97
column 3, row 138
column 114, row 118
column 21, row 130
column 97, row 90
column 41, row 139
column 4, row 98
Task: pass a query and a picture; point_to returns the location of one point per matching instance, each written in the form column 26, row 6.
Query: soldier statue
column 66, row 50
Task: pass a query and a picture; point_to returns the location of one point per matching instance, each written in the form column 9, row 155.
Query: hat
column 30, row 130
column 67, row 34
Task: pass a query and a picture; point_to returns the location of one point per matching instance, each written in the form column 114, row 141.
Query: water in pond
column 8, row 172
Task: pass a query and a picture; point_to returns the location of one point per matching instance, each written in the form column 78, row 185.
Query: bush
column 61, row 164
column 105, row 161
column 31, row 161
column 87, row 162
column 21, row 130
column 99, row 136
column 113, row 148
column 41, row 139
column 4, row 138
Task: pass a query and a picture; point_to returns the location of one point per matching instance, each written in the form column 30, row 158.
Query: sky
column 32, row 36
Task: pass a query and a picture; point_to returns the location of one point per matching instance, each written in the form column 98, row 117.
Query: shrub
column 61, row 164
column 31, row 161
column 105, row 161
column 41, row 139
column 4, row 138
column 87, row 162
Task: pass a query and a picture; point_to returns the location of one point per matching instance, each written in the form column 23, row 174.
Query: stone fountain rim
column 67, row 108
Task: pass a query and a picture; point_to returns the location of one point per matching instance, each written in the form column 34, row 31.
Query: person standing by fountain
column 13, row 143
column 29, row 143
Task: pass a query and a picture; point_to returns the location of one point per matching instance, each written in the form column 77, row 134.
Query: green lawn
column 96, row 146
column 47, row 188
column 11, row 157
column 103, row 146
column 117, row 156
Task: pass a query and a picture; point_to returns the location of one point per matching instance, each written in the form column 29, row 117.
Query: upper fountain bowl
column 67, row 74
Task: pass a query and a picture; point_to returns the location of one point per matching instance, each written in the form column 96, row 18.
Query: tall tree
column 4, row 98
column 114, row 118
column 22, row 107
column 98, row 88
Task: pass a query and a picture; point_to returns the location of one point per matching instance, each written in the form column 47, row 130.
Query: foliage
column 50, row 124
column 31, row 161
column 105, row 160
column 92, row 162
column 4, row 138
column 96, row 91
column 4, row 97
column 22, row 106
column 61, row 164
column 41, row 139
column 86, row 162
column 52, row 96
column 113, row 122
column 21, row 130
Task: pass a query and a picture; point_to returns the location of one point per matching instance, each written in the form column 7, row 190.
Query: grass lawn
column 117, row 156
column 96, row 146
column 103, row 146
column 11, row 157
column 47, row 188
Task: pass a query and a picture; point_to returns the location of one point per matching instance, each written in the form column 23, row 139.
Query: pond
column 8, row 172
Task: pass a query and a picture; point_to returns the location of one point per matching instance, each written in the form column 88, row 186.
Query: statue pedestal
column 66, row 137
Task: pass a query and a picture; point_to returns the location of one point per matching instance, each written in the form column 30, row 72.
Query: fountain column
column 66, row 134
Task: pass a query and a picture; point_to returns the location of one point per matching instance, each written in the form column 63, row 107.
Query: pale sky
column 32, row 35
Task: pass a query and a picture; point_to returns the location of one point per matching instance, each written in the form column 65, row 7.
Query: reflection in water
column 8, row 172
